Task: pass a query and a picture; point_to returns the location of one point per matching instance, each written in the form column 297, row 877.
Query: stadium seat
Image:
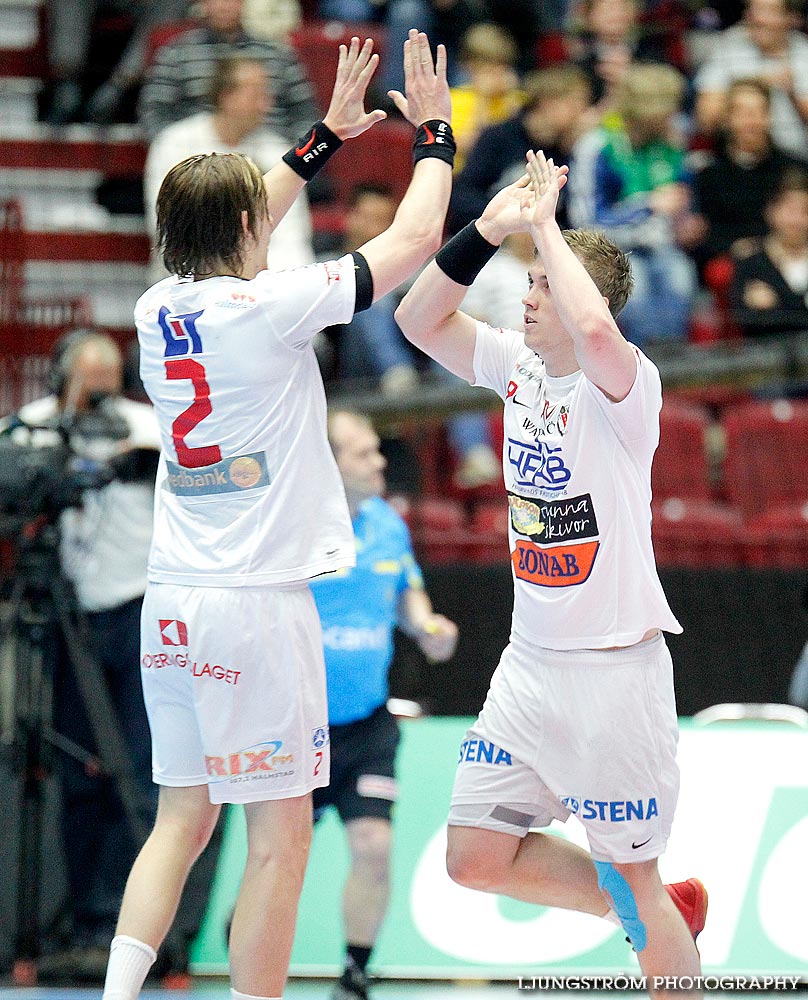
column 316, row 45
column 697, row 533
column 440, row 530
column 489, row 526
column 680, row 466
column 765, row 464
column 778, row 539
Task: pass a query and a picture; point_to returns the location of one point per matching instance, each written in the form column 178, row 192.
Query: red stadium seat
column 680, row 466
column 778, row 539
column 766, row 465
column 697, row 533
column 316, row 45
column 489, row 526
column 440, row 530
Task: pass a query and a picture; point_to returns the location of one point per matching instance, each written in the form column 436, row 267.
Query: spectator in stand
column 448, row 21
column 630, row 181
column 733, row 187
column 768, row 44
column 371, row 346
column 240, row 98
column 178, row 83
column 69, row 34
column 609, row 42
column 491, row 92
column 555, row 113
column 769, row 292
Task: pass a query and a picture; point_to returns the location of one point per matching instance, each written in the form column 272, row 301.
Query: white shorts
column 590, row 733
column 234, row 685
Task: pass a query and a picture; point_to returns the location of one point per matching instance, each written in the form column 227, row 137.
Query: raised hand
column 503, row 214
column 425, row 85
column 346, row 116
column 546, row 180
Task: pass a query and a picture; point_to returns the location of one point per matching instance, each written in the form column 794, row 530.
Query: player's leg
column 535, row 868
column 654, row 925
column 497, row 801
column 263, row 928
column 185, row 821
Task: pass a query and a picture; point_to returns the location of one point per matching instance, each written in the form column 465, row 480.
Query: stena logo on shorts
column 613, row 811
column 483, row 752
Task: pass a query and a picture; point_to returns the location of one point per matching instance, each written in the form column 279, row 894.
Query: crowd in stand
column 684, row 128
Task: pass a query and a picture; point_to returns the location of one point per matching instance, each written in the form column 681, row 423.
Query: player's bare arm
column 346, row 118
column 430, row 314
column 604, row 355
column 417, row 228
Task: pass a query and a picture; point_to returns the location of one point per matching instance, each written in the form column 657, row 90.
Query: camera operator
column 103, row 548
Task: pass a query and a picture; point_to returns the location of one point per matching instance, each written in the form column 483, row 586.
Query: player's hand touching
column 539, row 201
column 503, row 214
column 425, row 86
column 346, row 115
column 437, row 638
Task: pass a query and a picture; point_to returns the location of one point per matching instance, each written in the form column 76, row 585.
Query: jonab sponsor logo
column 260, row 761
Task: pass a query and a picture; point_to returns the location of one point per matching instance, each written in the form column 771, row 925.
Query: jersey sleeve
column 495, row 354
column 302, row 301
column 635, row 419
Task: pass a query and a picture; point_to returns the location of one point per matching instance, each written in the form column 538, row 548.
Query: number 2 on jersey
column 192, row 458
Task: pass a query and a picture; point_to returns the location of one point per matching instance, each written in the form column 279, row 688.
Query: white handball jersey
column 248, row 491
column 577, row 468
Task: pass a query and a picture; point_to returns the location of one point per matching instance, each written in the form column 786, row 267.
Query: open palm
column 540, row 199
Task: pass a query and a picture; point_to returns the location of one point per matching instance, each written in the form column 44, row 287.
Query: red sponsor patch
column 560, row 566
column 173, row 632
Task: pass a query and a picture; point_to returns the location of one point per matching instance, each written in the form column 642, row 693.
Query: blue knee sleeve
column 625, row 905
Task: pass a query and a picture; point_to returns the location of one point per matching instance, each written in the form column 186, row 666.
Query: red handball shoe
column 690, row 899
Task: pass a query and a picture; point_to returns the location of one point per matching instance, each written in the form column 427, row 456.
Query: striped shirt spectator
column 178, row 82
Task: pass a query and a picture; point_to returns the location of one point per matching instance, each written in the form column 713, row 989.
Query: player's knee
column 473, row 869
column 371, row 845
column 620, row 896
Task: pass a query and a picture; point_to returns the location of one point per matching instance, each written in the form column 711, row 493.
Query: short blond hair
column 650, row 88
column 489, row 43
column 606, row 264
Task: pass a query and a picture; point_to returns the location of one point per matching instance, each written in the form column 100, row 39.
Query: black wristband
column 434, row 138
column 465, row 255
column 312, row 151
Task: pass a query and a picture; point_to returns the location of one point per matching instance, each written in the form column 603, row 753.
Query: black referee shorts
column 363, row 757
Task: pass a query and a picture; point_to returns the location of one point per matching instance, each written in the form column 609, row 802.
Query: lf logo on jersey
column 537, row 465
column 180, row 333
column 173, row 632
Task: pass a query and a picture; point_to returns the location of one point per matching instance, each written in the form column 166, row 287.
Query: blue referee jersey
column 359, row 608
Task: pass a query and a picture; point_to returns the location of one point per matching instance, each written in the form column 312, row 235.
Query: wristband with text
column 465, row 255
column 434, row 138
column 312, row 151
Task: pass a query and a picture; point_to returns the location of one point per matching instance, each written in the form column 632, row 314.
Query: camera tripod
column 41, row 607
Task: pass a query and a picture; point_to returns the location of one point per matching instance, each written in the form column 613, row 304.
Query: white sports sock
column 129, row 964
column 235, row 995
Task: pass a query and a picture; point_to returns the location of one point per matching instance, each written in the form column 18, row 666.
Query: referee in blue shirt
column 359, row 608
